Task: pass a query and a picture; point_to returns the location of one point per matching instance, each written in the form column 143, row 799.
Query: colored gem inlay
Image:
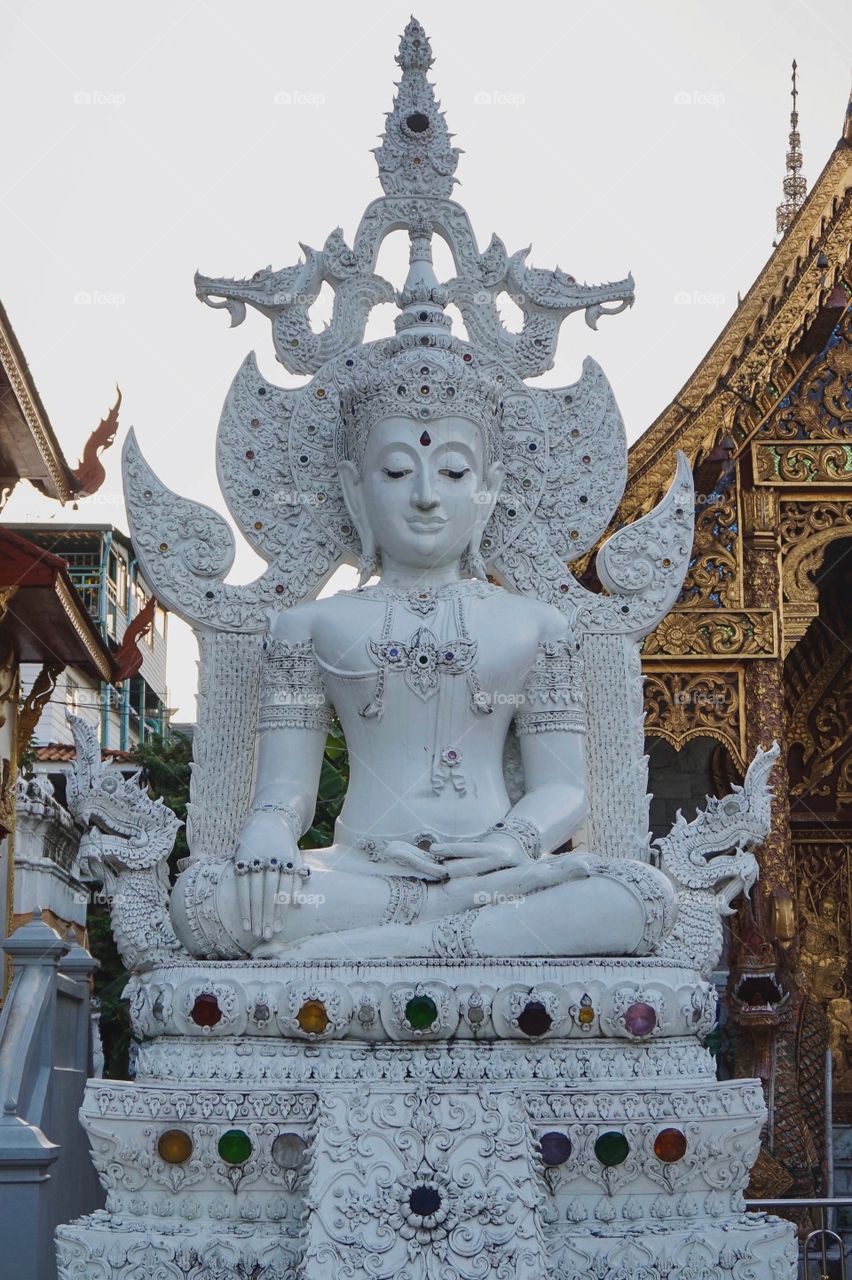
column 424, row 1201
column 421, row 1012
column 640, row 1019
column 425, row 439
column 534, row 1020
column 313, row 1018
column 174, row 1146
column 612, row 1148
column 235, row 1146
column 288, row 1150
column 555, row 1148
column 670, row 1145
column 206, row 1012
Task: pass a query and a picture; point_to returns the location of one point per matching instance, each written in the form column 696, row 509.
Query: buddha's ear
column 493, row 482
column 353, row 496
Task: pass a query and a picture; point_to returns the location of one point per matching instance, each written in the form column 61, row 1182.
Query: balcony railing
column 823, row 1241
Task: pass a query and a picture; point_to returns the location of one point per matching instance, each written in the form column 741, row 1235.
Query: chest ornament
column 424, row 659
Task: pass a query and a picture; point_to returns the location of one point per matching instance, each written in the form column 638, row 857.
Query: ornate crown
column 424, row 372
column 405, row 377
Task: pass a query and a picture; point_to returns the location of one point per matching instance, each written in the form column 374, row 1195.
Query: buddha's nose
column 424, row 496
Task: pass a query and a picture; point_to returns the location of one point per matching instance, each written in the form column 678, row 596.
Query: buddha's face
column 423, row 489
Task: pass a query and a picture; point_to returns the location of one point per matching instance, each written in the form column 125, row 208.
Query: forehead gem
column 425, row 439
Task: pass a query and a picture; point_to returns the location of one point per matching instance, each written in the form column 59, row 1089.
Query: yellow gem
column 174, row 1146
column 312, row 1017
column 585, row 1016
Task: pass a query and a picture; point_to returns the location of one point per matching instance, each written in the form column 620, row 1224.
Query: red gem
column 206, row 1011
column 425, row 438
column 467, row 357
column 249, row 453
column 279, row 590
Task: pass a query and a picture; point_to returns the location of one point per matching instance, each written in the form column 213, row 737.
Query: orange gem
column 174, row 1146
column 312, row 1018
column 670, row 1145
column 585, row 1015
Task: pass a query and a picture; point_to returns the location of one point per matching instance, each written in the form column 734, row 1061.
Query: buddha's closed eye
column 396, row 475
column 455, row 475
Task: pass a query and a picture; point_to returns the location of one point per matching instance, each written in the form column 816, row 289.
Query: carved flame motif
column 90, row 473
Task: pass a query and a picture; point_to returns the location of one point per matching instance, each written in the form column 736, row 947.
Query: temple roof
column 763, row 349
column 66, row 753
column 29, row 448
column 44, row 619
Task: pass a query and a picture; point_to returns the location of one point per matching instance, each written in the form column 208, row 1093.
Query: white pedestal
column 405, row 1156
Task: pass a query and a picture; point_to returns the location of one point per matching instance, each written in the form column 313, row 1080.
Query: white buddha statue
column 429, row 672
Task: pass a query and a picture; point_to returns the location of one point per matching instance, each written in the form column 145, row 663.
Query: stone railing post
column 26, row 1058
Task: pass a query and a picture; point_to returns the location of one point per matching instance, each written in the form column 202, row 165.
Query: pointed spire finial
column 795, row 184
column 415, row 157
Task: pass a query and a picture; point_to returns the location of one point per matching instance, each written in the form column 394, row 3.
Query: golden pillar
column 765, row 711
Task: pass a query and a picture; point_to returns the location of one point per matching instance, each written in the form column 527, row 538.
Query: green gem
column 612, row 1148
column 421, row 1012
column 235, row 1146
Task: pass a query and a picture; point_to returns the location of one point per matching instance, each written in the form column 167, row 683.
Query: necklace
column 425, row 600
column 425, row 658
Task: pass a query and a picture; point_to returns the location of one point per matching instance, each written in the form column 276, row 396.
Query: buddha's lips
column 426, row 524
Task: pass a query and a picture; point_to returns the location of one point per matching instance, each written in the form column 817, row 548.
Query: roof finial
column 795, row 184
column 415, row 157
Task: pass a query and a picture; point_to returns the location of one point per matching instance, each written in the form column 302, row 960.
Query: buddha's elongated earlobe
column 350, row 483
column 473, row 564
column 368, row 567
column 472, row 560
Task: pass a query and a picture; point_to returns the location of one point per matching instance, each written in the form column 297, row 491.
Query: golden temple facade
column 759, row 648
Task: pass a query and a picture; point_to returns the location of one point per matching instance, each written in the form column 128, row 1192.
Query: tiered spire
column 415, row 157
column 795, row 183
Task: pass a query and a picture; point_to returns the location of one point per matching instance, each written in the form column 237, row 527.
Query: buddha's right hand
column 269, row 867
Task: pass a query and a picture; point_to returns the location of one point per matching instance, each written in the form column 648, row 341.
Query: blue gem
column 448, row 657
column 393, row 653
column 532, row 447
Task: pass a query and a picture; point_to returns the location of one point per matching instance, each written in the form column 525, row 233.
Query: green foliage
column 166, row 768
column 26, row 759
column 109, row 982
column 334, row 779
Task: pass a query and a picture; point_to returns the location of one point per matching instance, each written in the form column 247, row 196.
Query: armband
column 553, row 696
column 292, row 693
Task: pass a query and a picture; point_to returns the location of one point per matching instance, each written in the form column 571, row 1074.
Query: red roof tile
column 64, row 753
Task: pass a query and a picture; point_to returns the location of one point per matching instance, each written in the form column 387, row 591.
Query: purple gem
column 448, row 656
column 640, row 1019
column 393, row 653
column 555, row 1148
column 452, row 755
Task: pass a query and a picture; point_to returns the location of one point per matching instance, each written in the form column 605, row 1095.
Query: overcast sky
column 143, row 141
